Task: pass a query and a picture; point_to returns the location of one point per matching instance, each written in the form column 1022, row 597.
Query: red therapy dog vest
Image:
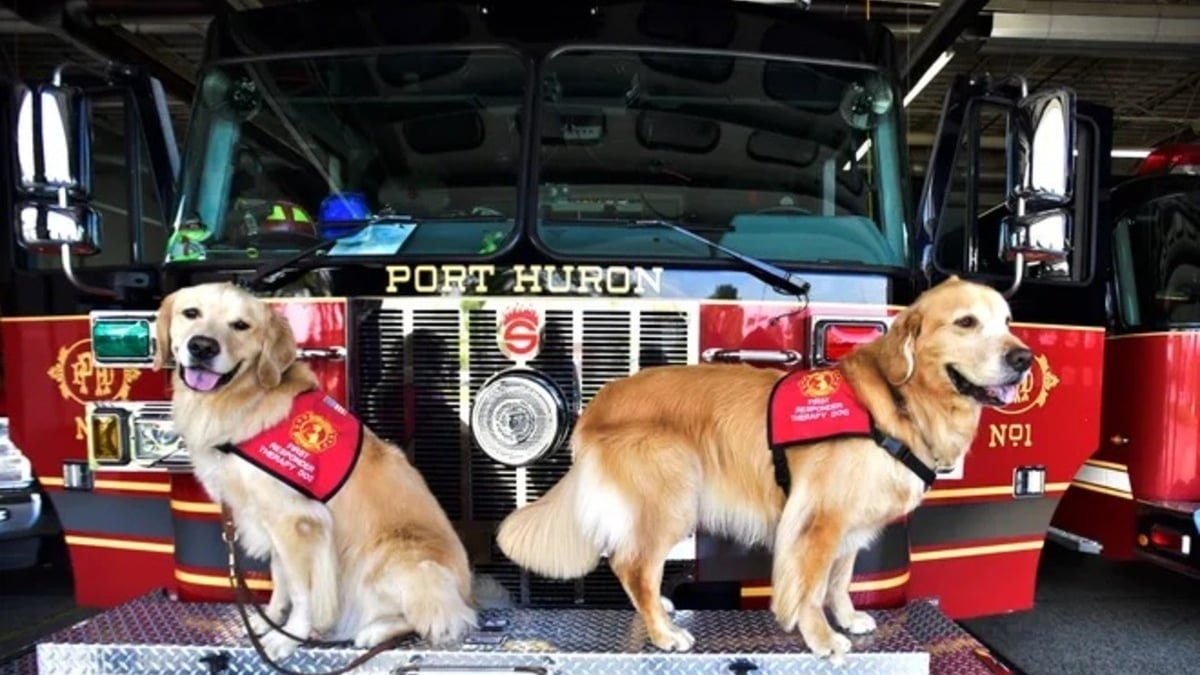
column 313, row 449
column 814, row 405
column 811, row 405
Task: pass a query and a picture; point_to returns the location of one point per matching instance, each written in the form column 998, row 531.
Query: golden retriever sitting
column 673, row 448
column 378, row 558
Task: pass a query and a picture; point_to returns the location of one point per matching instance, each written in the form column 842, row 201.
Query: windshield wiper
column 779, row 278
column 283, row 276
column 271, row 269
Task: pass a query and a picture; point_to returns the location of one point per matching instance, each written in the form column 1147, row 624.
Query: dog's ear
column 162, row 333
column 278, row 350
column 897, row 357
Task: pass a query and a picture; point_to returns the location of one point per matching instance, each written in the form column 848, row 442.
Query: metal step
column 1074, row 542
column 24, row 664
column 156, row 636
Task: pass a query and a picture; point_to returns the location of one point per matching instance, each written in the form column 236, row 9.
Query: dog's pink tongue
column 200, row 379
column 1007, row 394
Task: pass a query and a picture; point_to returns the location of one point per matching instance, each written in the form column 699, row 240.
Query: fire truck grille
column 418, row 366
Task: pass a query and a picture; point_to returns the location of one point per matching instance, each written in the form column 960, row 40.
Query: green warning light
column 122, row 340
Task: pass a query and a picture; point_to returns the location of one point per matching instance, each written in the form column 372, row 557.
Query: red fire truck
column 1138, row 496
column 435, row 192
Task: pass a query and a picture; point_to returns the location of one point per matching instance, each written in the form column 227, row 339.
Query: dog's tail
column 546, row 536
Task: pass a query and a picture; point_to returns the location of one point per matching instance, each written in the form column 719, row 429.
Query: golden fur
column 673, row 448
column 379, row 559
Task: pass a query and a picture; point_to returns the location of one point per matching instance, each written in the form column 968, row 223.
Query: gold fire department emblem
column 313, row 433
column 79, row 379
column 820, row 383
column 1034, row 390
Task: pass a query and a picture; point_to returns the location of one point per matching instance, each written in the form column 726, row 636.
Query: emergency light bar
column 123, row 339
column 1183, row 158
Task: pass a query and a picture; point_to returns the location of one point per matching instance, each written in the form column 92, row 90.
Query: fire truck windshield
column 285, row 152
column 795, row 162
column 1157, row 255
column 419, row 153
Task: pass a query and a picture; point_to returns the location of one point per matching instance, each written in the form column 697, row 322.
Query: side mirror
column 1041, row 151
column 53, row 141
column 45, row 227
column 1042, row 237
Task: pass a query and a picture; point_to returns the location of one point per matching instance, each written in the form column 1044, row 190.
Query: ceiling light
column 928, row 76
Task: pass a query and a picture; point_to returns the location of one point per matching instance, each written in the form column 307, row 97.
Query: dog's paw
column 860, row 623
column 261, row 627
column 668, row 606
column 834, row 648
column 378, row 632
column 278, row 646
column 673, row 639
column 258, row 626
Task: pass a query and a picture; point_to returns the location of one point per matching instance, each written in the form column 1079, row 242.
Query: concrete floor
column 35, row 602
column 1092, row 617
column 1095, row 617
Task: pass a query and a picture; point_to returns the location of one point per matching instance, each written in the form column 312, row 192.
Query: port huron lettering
column 525, row 279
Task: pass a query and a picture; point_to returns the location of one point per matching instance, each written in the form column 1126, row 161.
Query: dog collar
column 904, row 455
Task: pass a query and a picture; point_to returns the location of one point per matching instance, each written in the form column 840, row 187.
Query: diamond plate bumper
column 153, row 635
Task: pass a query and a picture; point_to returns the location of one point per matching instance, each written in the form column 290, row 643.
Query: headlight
column 519, row 417
column 134, row 434
column 154, row 439
column 16, row 471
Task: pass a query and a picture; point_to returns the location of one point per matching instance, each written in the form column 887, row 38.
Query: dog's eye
column 239, row 325
column 967, row 321
column 191, row 313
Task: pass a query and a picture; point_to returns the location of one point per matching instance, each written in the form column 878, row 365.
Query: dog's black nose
column 1019, row 358
column 203, row 347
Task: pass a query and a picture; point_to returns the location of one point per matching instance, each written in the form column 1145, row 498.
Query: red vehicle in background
column 24, row 524
column 1139, row 495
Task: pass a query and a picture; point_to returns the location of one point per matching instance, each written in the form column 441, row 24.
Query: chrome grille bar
column 423, row 359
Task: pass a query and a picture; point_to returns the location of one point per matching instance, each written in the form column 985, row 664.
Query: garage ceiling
column 1142, row 57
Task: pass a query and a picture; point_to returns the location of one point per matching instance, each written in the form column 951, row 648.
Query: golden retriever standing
column 671, row 448
column 380, row 558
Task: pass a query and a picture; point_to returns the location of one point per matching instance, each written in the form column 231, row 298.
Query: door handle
column 1118, row 439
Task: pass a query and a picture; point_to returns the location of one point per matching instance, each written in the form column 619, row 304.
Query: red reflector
column 836, row 339
column 1179, row 158
column 1166, row 539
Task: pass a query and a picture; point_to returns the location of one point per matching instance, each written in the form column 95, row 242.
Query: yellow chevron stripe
column 194, row 507
column 987, row 491
column 855, row 587
column 1107, row 465
column 1092, row 487
column 973, row 551
column 120, row 544
column 219, row 581
column 107, row 484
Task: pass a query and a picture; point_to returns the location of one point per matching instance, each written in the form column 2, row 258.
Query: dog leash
column 243, row 596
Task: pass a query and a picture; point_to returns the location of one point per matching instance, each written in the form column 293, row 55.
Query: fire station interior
column 1141, row 58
